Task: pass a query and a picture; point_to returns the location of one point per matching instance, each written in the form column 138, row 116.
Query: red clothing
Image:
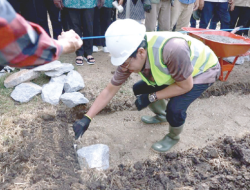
column 23, row 43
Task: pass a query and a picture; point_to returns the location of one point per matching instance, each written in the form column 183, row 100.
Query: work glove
column 142, row 101
column 81, row 126
column 147, row 5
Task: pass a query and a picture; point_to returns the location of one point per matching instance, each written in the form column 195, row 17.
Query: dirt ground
column 213, row 152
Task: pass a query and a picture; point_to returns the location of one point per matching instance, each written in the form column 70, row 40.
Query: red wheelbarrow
column 222, row 50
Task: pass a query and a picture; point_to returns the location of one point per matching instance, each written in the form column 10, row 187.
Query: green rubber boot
column 158, row 108
column 171, row 139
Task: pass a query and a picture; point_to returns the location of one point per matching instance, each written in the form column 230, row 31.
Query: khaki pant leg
column 185, row 16
column 151, row 18
column 176, row 11
column 164, row 17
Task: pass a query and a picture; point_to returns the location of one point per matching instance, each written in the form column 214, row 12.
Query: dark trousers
column 213, row 22
column 243, row 13
column 212, row 8
column 44, row 6
column 65, row 19
column 26, row 8
column 81, row 21
column 192, row 22
column 177, row 106
column 113, row 15
column 102, row 20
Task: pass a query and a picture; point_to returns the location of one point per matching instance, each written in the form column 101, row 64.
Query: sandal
column 90, row 60
column 79, row 61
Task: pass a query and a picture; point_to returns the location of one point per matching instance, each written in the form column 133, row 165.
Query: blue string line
column 95, row 37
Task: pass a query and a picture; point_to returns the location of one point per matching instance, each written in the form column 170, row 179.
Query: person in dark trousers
column 240, row 16
column 80, row 18
column 45, row 7
column 25, row 44
column 172, row 66
column 102, row 20
column 25, row 8
column 220, row 8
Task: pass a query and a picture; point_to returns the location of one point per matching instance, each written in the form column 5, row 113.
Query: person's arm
column 176, row 56
column 120, row 2
column 201, row 4
column 176, row 89
column 26, row 44
column 231, row 4
column 70, row 41
column 103, row 99
column 58, row 4
column 196, row 5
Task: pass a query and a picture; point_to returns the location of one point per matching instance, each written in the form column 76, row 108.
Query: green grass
column 6, row 103
column 41, row 80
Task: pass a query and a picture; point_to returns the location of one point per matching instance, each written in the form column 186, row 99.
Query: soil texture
column 213, row 152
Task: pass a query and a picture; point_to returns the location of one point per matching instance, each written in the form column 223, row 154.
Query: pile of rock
column 60, row 87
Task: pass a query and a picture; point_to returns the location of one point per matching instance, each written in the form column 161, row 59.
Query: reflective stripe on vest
column 201, row 57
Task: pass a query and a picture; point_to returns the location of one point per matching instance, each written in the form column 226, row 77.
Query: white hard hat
column 122, row 39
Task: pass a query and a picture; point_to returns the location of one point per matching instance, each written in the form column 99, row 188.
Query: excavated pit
column 42, row 155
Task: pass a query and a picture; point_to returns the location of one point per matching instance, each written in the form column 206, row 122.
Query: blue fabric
column 80, row 4
column 212, row 8
column 44, row 6
column 213, row 22
column 26, row 8
column 186, row 1
column 192, row 22
column 177, row 106
column 102, row 20
column 7, row 11
column 108, row 3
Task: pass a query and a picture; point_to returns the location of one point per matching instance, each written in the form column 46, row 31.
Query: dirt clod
column 188, row 170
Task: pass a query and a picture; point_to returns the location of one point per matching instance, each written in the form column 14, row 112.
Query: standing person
column 25, row 44
column 136, row 10
column 220, row 8
column 240, row 15
column 192, row 22
column 172, row 66
column 181, row 13
column 45, row 7
column 159, row 10
column 80, row 15
column 213, row 22
column 25, row 8
column 102, row 20
column 63, row 15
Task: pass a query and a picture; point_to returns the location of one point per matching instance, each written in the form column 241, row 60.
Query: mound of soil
column 42, row 156
column 223, row 165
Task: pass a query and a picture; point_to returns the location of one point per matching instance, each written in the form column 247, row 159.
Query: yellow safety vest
column 201, row 56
